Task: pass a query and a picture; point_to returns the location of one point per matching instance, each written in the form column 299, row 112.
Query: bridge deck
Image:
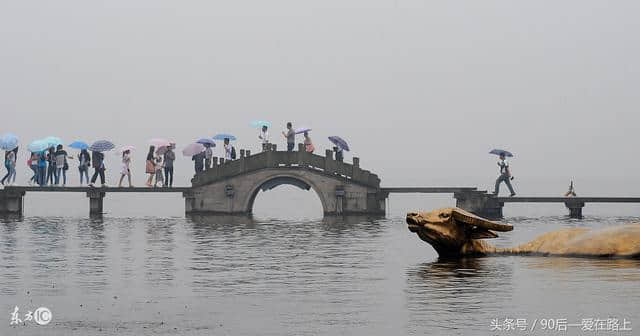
column 427, row 190
column 106, row 189
column 568, row 199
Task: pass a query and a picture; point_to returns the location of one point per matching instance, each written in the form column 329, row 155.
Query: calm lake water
column 163, row 274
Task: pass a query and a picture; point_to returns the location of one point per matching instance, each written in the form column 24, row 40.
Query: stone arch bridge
column 231, row 187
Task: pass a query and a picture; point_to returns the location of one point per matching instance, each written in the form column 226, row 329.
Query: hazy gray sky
column 421, row 89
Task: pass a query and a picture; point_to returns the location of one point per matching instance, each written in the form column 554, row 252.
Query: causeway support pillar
column 480, row 203
column 96, row 202
column 575, row 209
column 12, row 202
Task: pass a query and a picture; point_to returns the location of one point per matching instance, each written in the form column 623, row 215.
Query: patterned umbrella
column 223, row 136
column 102, row 146
column 193, row 149
column 9, row 141
column 338, row 141
column 79, row 145
column 207, row 141
column 38, row 146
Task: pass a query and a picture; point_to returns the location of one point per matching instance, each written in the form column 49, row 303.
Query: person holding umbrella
column 10, row 164
column 290, row 135
column 505, row 172
column 308, row 144
column 33, row 164
column 97, row 159
column 98, row 168
column 169, row 158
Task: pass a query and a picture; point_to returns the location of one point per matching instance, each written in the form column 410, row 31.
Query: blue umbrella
column 501, row 152
column 52, row 141
column 38, row 146
column 79, row 145
column 9, row 141
column 338, row 141
column 207, row 141
column 260, row 123
column 102, row 146
column 223, row 136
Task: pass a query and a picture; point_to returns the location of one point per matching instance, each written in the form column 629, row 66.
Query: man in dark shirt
column 97, row 159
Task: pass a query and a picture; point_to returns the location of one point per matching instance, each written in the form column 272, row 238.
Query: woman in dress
column 125, row 171
column 151, row 165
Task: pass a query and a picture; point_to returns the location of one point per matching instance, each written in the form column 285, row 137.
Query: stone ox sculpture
column 454, row 233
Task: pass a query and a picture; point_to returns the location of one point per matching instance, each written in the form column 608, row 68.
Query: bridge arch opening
column 286, row 197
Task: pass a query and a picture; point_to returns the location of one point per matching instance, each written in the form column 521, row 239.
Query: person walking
column 308, row 144
column 10, row 164
column 169, row 158
column 42, row 169
column 150, row 166
column 125, row 169
column 505, row 176
column 264, row 137
column 97, row 158
column 84, row 160
column 290, row 135
column 51, row 170
column 61, row 165
column 33, row 164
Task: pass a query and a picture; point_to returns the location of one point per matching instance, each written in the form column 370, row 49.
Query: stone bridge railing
column 271, row 158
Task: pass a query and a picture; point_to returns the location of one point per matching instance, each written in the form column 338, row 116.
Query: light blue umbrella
column 338, row 141
column 53, row 141
column 260, row 123
column 79, row 145
column 102, row 146
column 207, row 141
column 223, row 136
column 9, row 141
column 38, row 146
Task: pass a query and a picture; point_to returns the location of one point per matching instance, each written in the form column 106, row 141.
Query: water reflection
column 90, row 259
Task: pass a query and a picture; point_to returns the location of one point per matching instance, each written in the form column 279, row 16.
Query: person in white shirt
column 505, row 176
column 264, row 137
column 227, row 150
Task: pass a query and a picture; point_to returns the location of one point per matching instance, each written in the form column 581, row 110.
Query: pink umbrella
column 193, row 149
column 158, row 142
column 127, row 148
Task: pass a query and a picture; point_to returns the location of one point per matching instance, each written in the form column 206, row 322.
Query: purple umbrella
column 302, row 130
column 338, row 141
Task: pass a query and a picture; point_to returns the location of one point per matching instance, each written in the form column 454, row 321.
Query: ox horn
column 471, row 219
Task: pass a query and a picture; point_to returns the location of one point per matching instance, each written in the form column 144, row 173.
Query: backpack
column 233, row 153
